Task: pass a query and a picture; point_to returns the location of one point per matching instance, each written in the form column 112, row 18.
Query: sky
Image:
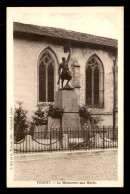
column 101, row 21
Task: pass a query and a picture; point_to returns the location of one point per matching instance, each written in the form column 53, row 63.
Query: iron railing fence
column 55, row 139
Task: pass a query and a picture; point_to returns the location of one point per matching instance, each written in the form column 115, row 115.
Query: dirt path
column 87, row 166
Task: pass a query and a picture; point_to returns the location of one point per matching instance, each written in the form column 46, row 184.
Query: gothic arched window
column 46, row 77
column 89, row 85
column 94, row 82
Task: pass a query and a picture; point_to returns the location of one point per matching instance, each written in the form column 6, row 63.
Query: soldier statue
column 65, row 74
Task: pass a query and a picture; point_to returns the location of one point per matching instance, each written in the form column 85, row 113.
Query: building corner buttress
column 115, row 94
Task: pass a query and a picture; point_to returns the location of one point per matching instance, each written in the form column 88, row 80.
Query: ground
column 76, row 166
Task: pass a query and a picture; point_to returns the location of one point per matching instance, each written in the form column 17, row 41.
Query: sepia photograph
column 65, row 96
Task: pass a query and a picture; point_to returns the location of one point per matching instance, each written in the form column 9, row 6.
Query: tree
column 20, row 122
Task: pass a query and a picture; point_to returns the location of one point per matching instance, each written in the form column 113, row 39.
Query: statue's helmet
column 63, row 58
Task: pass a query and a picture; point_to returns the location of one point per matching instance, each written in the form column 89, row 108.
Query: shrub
column 55, row 111
column 85, row 112
column 40, row 117
column 20, row 122
column 95, row 120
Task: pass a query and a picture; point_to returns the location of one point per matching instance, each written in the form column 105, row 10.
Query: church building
column 37, row 54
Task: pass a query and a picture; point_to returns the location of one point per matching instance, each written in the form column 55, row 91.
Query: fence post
column 103, row 138
column 50, row 149
column 61, row 133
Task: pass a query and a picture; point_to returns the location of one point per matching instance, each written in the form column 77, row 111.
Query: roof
column 65, row 34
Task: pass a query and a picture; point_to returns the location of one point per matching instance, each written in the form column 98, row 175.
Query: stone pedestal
column 85, row 121
column 68, row 100
column 54, row 122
